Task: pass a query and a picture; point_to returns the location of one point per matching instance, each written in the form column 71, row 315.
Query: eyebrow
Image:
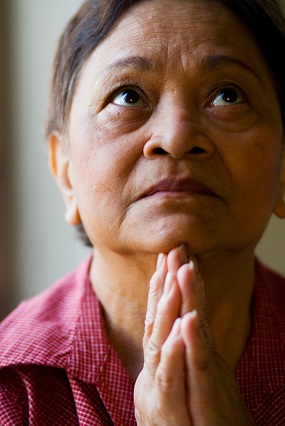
column 138, row 62
column 214, row 62
column 208, row 64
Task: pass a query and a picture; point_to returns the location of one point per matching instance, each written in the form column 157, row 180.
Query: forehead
column 173, row 40
column 163, row 26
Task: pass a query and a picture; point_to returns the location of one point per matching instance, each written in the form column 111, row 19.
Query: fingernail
column 182, row 253
column 193, row 313
column 193, row 263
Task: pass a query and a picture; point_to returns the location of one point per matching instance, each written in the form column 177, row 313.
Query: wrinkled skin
column 174, row 146
column 184, row 380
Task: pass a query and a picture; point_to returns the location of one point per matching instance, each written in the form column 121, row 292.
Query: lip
column 174, row 186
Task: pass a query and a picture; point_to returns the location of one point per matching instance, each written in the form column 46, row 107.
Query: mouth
column 178, row 187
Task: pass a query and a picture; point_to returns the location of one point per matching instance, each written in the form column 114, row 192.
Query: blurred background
column 36, row 245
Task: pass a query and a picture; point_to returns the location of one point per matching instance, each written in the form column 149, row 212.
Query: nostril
column 197, row 150
column 159, row 151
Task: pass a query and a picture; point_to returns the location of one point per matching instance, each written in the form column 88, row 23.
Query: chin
column 161, row 236
column 164, row 243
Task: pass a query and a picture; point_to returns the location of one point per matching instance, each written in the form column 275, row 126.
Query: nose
column 178, row 136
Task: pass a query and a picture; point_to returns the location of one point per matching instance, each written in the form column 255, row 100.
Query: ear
column 279, row 209
column 60, row 166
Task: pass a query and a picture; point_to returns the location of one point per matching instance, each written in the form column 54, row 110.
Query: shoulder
column 270, row 277
column 42, row 328
column 272, row 410
column 270, row 290
column 269, row 323
column 31, row 391
column 261, row 369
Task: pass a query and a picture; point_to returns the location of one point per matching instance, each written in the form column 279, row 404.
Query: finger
column 194, row 260
column 176, row 258
column 213, row 393
column 168, row 309
column 161, row 400
column 198, row 374
column 170, row 372
column 155, row 292
column 192, row 289
column 197, row 347
column 170, row 377
column 199, row 353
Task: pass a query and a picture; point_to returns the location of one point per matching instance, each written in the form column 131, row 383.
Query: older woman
column 166, row 141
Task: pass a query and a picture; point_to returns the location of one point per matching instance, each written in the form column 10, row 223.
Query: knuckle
column 146, row 339
column 165, row 382
column 153, row 352
column 153, row 348
column 155, row 286
column 149, row 320
column 152, row 358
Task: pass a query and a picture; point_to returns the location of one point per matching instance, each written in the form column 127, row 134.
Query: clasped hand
column 184, row 381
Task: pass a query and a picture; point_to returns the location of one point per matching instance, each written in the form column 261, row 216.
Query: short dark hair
column 96, row 18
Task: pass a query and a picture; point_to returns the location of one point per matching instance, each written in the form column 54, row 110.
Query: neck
column 228, row 301
column 121, row 284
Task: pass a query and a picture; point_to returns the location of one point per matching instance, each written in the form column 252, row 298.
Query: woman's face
column 175, row 133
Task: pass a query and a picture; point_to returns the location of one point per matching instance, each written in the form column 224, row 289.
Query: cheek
column 267, row 166
column 102, row 165
column 258, row 171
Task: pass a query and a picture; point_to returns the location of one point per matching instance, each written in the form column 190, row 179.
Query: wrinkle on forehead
column 173, row 20
column 176, row 30
column 191, row 34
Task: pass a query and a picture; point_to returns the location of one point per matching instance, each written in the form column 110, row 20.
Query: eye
column 129, row 98
column 228, row 96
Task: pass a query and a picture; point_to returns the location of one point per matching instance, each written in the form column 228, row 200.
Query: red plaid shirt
column 58, row 367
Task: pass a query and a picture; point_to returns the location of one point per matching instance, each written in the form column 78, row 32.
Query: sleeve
column 13, row 399
column 34, row 395
column 272, row 409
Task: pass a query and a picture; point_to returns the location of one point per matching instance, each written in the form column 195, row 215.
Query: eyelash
column 214, row 95
column 223, row 88
column 134, row 89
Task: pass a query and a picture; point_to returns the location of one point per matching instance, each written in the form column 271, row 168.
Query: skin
column 179, row 152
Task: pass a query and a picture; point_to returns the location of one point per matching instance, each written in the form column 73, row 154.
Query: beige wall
column 6, row 270
column 44, row 246
column 271, row 248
